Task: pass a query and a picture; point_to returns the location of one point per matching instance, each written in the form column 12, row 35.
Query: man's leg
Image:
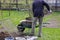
column 40, row 26
column 33, row 25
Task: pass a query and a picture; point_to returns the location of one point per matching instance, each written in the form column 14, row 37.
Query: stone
column 27, row 38
column 20, row 38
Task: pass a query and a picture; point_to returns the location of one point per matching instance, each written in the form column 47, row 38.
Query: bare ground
column 53, row 23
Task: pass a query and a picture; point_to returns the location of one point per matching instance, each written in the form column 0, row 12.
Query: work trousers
column 34, row 20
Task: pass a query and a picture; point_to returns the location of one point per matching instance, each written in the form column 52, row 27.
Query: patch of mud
column 53, row 24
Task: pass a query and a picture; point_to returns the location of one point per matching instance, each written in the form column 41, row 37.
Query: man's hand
column 49, row 12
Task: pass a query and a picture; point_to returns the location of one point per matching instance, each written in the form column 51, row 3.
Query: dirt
column 3, row 35
column 53, row 23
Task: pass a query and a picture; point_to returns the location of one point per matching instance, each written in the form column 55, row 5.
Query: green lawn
column 15, row 16
column 48, row 33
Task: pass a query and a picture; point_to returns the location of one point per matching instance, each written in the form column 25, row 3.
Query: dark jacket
column 38, row 7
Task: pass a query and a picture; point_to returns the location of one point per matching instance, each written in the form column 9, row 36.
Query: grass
column 51, row 33
column 54, row 15
column 15, row 16
column 48, row 33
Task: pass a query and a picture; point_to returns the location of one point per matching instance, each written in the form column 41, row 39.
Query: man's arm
column 33, row 7
column 47, row 6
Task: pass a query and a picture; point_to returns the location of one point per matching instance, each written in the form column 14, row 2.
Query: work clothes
column 38, row 7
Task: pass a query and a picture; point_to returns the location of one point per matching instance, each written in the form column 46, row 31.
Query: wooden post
column 56, row 5
column 16, row 3
column 4, row 1
column 26, row 1
column 0, row 4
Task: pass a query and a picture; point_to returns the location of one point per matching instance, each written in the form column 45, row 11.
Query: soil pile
column 4, row 35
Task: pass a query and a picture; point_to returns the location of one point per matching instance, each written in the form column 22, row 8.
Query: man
column 37, row 8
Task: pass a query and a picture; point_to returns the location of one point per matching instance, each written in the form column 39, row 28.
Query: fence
column 15, row 4
column 55, row 4
column 26, row 4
